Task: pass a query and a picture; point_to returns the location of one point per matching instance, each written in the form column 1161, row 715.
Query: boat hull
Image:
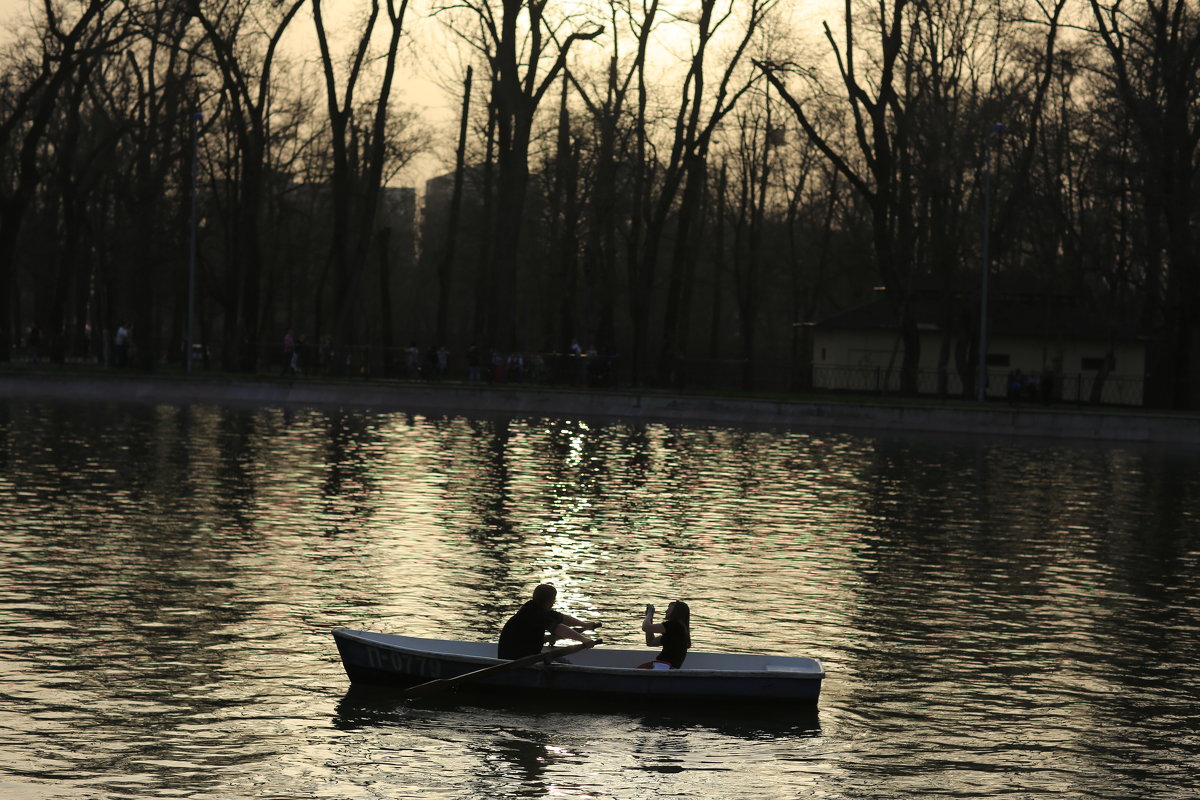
column 390, row 660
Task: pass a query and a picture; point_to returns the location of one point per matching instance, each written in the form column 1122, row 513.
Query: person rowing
column 524, row 632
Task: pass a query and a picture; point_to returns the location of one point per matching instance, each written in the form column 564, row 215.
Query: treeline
column 679, row 186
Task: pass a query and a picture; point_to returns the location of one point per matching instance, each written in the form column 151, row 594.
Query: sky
column 417, row 86
column 9, row 11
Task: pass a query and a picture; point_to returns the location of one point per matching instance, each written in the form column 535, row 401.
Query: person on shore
column 299, row 353
column 1047, row 385
column 289, row 353
column 412, row 361
column 443, row 360
column 473, row 364
column 33, row 344
column 431, row 363
column 673, row 635
column 525, row 632
column 1016, row 385
column 121, row 341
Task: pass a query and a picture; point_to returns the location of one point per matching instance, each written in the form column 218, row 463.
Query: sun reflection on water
column 168, row 577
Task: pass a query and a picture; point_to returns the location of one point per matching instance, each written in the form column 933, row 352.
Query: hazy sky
column 9, row 11
column 417, row 87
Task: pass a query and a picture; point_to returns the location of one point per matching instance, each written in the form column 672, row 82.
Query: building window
column 822, row 353
column 997, row 359
column 1092, row 364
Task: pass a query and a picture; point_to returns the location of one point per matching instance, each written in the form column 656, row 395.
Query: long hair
column 679, row 612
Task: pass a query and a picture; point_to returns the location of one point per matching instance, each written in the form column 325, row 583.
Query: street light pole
column 197, row 118
column 985, row 267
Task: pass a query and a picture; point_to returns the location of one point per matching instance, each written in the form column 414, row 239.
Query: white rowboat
column 600, row 673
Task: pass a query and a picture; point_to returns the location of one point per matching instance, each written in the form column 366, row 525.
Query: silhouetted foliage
column 679, row 193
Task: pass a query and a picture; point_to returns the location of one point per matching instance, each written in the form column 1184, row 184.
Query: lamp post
column 985, row 267
column 197, row 118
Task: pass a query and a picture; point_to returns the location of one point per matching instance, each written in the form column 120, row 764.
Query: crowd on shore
column 297, row 358
column 577, row 365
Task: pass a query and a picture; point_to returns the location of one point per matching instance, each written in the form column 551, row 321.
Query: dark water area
column 997, row 618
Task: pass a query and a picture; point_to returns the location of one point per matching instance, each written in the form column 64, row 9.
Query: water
column 996, row 618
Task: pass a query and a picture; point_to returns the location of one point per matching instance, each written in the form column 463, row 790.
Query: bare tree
column 67, row 43
column 359, row 154
column 881, row 133
column 752, row 162
column 672, row 188
column 919, row 89
column 446, row 261
column 563, row 212
column 617, row 130
column 1154, row 52
column 517, row 37
column 155, row 118
column 247, row 92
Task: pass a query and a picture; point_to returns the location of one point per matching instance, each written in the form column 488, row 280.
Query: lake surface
column 997, row 618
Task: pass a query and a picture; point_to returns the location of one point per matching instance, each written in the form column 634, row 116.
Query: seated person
column 674, row 636
column 525, row 632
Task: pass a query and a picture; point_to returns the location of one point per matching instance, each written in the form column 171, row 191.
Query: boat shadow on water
column 371, row 706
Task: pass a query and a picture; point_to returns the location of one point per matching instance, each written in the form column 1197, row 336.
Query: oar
column 441, row 684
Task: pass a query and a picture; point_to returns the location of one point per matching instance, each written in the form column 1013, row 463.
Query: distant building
column 398, row 213
column 435, row 217
column 1060, row 347
column 439, row 191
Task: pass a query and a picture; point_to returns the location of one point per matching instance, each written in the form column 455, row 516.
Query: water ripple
column 997, row 619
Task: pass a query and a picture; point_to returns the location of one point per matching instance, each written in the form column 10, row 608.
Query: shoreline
column 462, row 398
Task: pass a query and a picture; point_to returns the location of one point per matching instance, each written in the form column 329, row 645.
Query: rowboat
column 385, row 659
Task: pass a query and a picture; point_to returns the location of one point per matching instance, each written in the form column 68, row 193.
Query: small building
column 1056, row 347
